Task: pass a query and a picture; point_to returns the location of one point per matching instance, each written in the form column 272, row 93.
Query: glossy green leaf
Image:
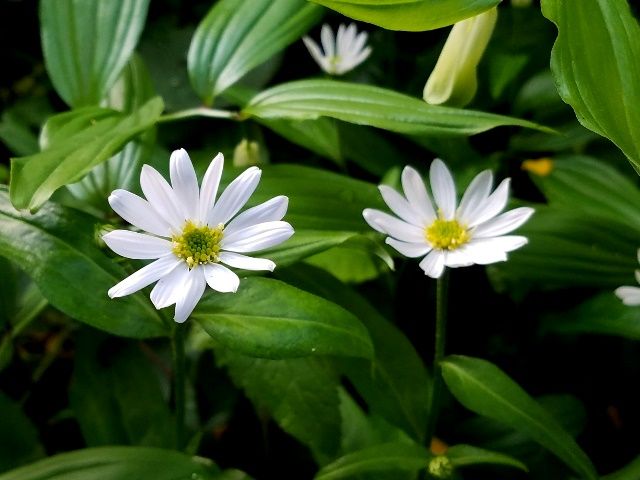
column 465, row 455
column 19, row 443
column 595, row 64
column 629, row 472
column 409, row 15
column 373, row 106
column 270, row 319
column 117, row 463
column 604, row 314
column 238, row 35
column 116, row 397
column 392, row 456
column 485, row 389
column 56, row 246
column 311, row 386
column 86, row 44
column 395, row 386
column 76, row 142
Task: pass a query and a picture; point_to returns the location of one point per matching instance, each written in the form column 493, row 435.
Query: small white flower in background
column 472, row 233
column 191, row 234
column 342, row 53
column 630, row 295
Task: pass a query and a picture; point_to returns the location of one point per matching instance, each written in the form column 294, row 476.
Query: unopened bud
column 248, row 153
column 440, row 467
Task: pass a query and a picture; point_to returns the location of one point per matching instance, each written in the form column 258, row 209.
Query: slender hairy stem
column 440, row 339
column 198, row 112
column 177, row 346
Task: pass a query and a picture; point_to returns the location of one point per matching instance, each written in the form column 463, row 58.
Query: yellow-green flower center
column 446, row 234
column 198, row 245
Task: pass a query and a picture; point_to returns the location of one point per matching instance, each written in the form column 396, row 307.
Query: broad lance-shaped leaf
column 270, row 319
column 628, row 472
column 409, row 15
column 464, row 455
column 485, row 389
column 19, row 442
column 118, row 463
column 87, row 43
column 238, row 35
column 57, row 248
column 393, row 456
column 373, row 106
column 595, row 65
column 76, row 142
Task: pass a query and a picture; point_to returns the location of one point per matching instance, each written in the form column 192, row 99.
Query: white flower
column 191, row 234
column 342, row 53
column 630, row 295
column 472, row 233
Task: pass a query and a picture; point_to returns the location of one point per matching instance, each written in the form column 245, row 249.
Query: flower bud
column 454, row 79
column 248, row 153
column 440, row 467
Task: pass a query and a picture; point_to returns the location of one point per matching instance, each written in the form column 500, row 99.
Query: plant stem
column 440, row 339
column 177, row 347
column 198, row 112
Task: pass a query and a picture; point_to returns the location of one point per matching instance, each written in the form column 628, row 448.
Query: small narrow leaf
column 86, row 44
column 270, row 319
column 374, row 106
column 485, row 389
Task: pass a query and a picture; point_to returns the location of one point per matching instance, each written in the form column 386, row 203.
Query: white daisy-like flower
column 472, row 233
column 191, row 234
column 630, row 295
column 342, row 53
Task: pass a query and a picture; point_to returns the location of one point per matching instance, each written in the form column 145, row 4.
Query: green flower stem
column 198, row 112
column 177, row 347
column 440, row 339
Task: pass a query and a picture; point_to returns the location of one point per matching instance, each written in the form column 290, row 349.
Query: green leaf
column 595, row 65
column 373, row 106
column 604, row 314
column 392, row 456
column 311, row 386
column 395, row 386
column 117, row 463
column 485, row 389
column 629, row 472
column 86, row 44
column 76, row 142
column 19, row 442
column 464, row 455
column 238, row 35
column 116, row 397
column 56, row 247
column 409, row 15
column 270, row 319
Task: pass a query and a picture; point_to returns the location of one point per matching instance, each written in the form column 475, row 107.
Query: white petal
column 433, row 263
column 161, row 197
column 237, row 260
column 169, row 288
column 257, row 237
column 234, row 197
column 411, row 250
column 269, row 211
column 397, row 228
column 315, row 52
column 484, row 251
column 220, row 278
column 136, row 245
column 328, row 41
column 504, row 223
column 359, row 43
column 184, row 183
column 629, row 295
column 145, row 276
column 416, row 194
column 492, row 206
column 340, row 40
column 210, row 184
column 138, row 212
column 443, row 189
column 475, row 195
column 359, row 58
column 400, row 206
column 192, row 291
column 458, row 258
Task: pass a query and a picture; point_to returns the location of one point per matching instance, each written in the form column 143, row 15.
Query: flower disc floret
column 198, row 245
column 446, row 234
